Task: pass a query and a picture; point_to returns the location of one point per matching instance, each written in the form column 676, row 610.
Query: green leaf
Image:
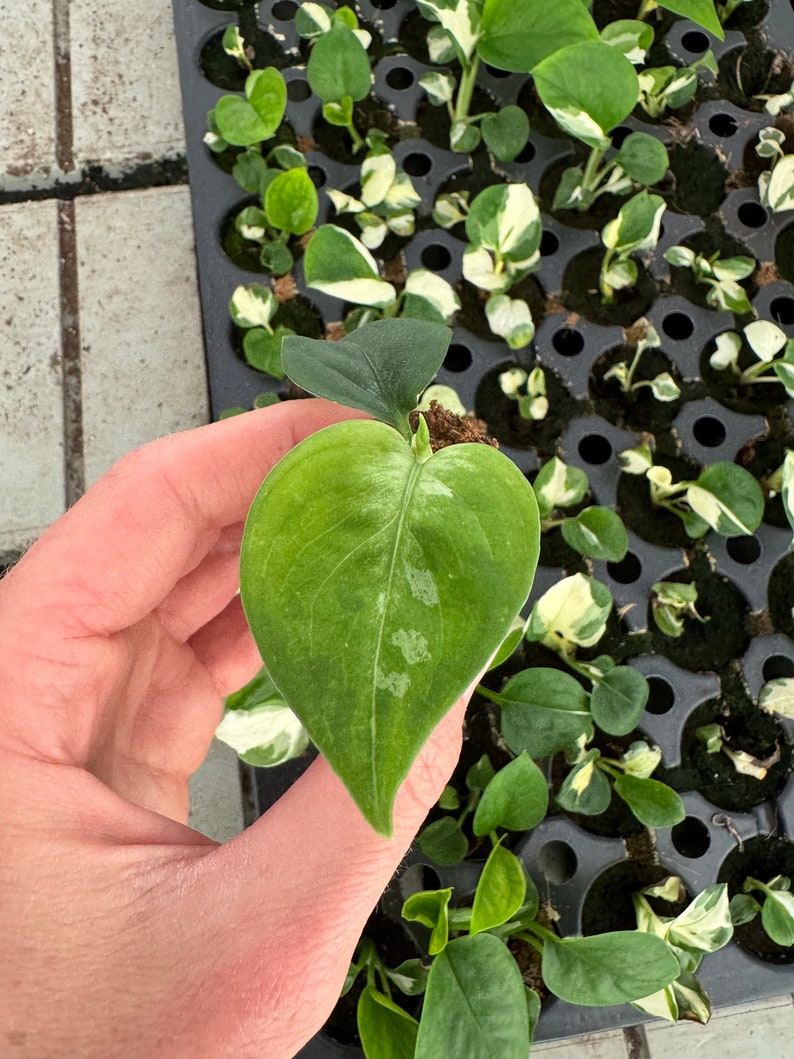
column 608, row 968
column 728, row 498
column 338, row 264
column 238, row 122
column 518, row 36
column 516, row 798
column 705, row 924
column 629, row 36
column 267, row 93
column 653, row 803
column 386, row 1031
column 643, row 158
column 506, row 132
column 380, row 368
column 369, row 636
column 505, row 218
column 744, row 909
column 543, row 711
column 443, row 841
column 777, row 916
column 559, row 485
column 619, row 699
column 700, row 11
column 263, row 350
column 250, row 171
column 431, row 909
column 585, row 789
column 428, row 296
column 475, row 1003
column 598, row 533
column 589, row 88
column 338, row 66
column 500, row 892
column 291, row 202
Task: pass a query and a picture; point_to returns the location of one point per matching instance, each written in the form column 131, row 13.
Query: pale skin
column 124, row 933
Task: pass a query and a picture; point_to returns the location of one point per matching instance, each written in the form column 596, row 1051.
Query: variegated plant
column 772, row 349
column 338, row 264
column 665, row 88
column 774, row 900
column 635, row 228
column 724, row 496
column 776, row 185
column 387, row 199
column 721, row 276
column 672, row 602
column 252, row 309
column 528, row 390
column 596, row 532
column 663, row 386
column 703, row 927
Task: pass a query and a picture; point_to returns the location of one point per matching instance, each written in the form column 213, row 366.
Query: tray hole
column 694, row 41
column 662, row 696
column 627, row 571
column 709, row 431
column 400, row 78
column 436, row 257
column 777, row 667
column 744, row 550
column 526, row 154
column 549, row 244
column 691, row 837
column 317, row 175
column 496, row 72
column 595, row 449
column 417, row 164
column 458, row 357
column 298, row 91
column 557, row 862
column 619, row 135
column 752, row 215
column 723, row 125
column 416, row 878
column 383, row 5
column 783, row 310
column 568, row 341
column 284, row 10
column 678, row 326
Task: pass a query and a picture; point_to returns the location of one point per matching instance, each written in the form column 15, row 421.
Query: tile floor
column 101, row 344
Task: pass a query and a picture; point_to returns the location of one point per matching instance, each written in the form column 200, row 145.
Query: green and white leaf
column 641, row 759
column 779, row 191
column 777, row 696
column 705, row 924
column 252, row 305
column 459, row 18
column 726, row 355
column 728, row 498
column 629, row 36
column 511, row 319
column 339, row 264
column 505, row 219
column 765, row 339
column 428, row 296
column 636, row 226
column 664, row 387
column 559, row 485
column 451, row 209
column 585, row 789
column 598, row 533
column 312, row 20
column 572, row 612
column 440, row 87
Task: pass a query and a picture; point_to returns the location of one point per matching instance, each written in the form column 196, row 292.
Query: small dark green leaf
column 618, row 700
column 381, row 368
column 263, row 350
column 339, row 66
column 585, row 789
column 249, row 171
column 543, row 711
column 516, row 798
column 276, row 257
column 598, row 533
column 506, row 132
column 386, row 1031
column 500, row 891
column 443, row 841
column 700, row 11
column 480, row 774
column 608, row 968
column 653, row 803
column 777, row 916
column 267, row 93
column 475, row 1003
column 744, row 909
column 643, row 158
column 238, row 122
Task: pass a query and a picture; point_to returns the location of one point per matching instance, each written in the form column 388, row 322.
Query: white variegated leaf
column 641, row 759
column 726, row 355
column 511, row 319
column 253, row 305
column 266, row 735
column 780, row 190
column 665, row 388
column 402, row 194
column 570, row 611
column 636, row 461
column 479, row 269
column 511, row 381
column 765, row 338
column 718, row 515
column 440, row 87
column 580, row 125
column 314, row 20
column 364, row 38
column 378, row 171
column 777, row 696
column 373, row 230
column 460, row 21
column 359, row 291
column 435, row 290
column 518, row 214
column 440, row 46
column 705, row 924
column 344, row 203
column 446, row 397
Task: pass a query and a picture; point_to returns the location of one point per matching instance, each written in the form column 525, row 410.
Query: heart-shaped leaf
column 608, row 968
column 506, row 132
column 377, row 583
column 516, row 36
column 380, row 368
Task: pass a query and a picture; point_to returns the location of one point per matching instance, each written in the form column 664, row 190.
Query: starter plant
column 369, row 637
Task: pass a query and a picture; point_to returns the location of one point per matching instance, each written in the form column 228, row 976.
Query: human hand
column 126, row 934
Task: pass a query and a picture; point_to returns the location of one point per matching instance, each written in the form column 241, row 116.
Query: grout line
column 636, row 1043
column 70, row 352
column 64, row 150
column 97, row 178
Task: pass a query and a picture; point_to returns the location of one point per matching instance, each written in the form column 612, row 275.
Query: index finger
column 152, row 517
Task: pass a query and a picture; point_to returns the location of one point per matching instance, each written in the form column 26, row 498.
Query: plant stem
column 466, row 90
column 591, row 176
column 358, row 142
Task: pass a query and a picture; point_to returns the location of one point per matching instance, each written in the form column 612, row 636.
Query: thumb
column 298, row 887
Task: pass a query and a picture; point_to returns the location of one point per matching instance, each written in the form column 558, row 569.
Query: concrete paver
column 31, row 400
column 126, row 101
column 762, row 1030
column 143, row 372
column 27, row 93
column 591, row 1046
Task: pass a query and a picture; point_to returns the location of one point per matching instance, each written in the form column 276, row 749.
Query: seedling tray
column 569, row 864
